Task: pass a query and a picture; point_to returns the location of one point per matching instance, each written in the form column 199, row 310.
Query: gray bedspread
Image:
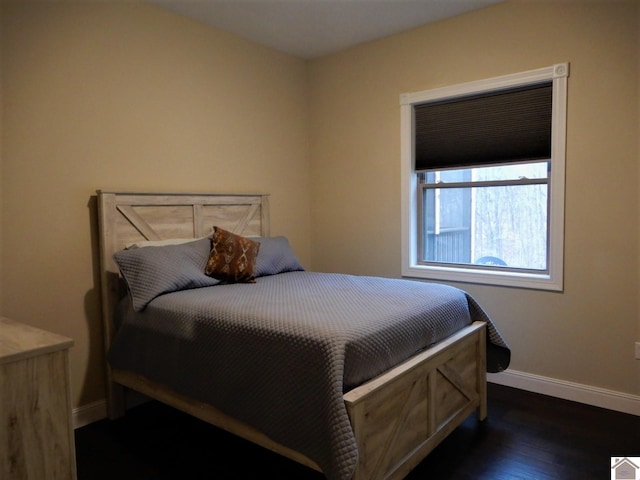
column 279, row 354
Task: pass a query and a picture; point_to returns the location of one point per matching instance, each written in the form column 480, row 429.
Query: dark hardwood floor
column 526, row 436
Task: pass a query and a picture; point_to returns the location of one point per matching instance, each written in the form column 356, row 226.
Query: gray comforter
column 279, row 354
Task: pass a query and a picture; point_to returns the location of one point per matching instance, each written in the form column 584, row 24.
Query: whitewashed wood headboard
column 127, row 217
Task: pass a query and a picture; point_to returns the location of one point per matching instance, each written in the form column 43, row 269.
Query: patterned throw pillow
column 232, row 258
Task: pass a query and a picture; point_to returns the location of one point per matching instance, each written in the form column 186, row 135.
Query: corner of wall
column 1, row 142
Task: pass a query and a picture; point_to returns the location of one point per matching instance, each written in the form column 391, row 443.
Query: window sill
column 543, row 281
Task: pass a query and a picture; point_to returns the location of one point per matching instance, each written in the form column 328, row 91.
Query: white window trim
column 554, row 279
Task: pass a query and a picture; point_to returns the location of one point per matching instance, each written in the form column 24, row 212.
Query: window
column 483, row 180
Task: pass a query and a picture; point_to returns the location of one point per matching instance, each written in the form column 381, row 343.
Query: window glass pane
column 535, row 170
column 497, row 226
column 512, row 172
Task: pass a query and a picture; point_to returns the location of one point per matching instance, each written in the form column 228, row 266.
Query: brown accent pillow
column 232, row 258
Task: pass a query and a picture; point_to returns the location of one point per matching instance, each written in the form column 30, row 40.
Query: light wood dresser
column 36, row 435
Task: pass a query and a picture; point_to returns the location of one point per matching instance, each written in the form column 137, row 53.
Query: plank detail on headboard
column 127, row 217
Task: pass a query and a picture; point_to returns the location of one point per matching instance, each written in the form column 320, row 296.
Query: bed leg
column 116, row 404
column 481, row 364
column 481, row 411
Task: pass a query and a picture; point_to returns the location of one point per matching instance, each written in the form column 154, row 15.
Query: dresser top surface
column 19, row 340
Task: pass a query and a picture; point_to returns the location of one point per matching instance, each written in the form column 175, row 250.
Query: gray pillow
column 275, row 256
column 153, row 271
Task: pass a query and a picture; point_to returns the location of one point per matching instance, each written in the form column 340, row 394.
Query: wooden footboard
column 401, row 416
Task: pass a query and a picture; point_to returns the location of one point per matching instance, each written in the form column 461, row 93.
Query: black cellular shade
column 502, row 126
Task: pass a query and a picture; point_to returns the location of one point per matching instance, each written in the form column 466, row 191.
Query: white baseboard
column 95, row 411
column 598, row 397
column 89, row 413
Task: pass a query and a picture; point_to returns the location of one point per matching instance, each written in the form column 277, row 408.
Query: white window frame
column 553, row 279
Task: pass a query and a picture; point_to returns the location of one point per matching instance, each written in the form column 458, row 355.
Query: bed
column 303, row 363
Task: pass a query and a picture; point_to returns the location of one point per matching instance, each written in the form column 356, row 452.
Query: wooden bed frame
column 398, row 417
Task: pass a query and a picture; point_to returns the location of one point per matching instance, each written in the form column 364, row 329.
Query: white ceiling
column 312, row 28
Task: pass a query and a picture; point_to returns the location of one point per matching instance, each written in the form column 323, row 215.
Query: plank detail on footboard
column 404, row 414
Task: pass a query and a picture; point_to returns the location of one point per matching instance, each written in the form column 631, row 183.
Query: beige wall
column 125, row 96
column 638, row 146
column 585, row 334
column 120, row 95
column 1, row 146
